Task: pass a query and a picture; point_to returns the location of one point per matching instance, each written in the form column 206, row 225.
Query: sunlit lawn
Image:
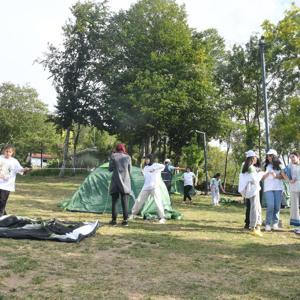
column 206, row 255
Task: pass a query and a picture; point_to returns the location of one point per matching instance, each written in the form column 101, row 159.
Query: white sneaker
column 275, row 226
column 268, row 228
column 162, row 221
column 131, row 217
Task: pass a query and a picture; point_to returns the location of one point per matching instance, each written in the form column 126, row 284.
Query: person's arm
column 223, row 190
column 157, row 167
column 18, row 169
column 284, row 176
column 129, row 165
column 111, row 165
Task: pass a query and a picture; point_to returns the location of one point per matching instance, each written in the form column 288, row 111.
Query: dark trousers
column 3, row 200
column 247, row 214
column 186, row 192
column 124, row 202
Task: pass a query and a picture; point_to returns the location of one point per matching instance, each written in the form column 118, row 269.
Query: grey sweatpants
column 255, row 211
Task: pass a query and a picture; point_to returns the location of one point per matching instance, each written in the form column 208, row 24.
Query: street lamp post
column 264, row 91
column 205, row 159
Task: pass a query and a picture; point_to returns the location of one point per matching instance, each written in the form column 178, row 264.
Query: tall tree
column 159, row 83
column 23, row 120
column 73, row 69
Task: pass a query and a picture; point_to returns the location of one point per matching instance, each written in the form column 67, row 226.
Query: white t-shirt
column 9, row 169
column 188, row 178
column 214, row 184
column 271, row 183
column 152, row 176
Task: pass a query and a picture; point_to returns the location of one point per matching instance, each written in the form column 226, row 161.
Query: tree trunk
column 65, row 153
column 164, row 148
column 75, row 143
column 226, row 160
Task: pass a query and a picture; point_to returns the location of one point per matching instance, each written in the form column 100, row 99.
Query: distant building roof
column 45, row 156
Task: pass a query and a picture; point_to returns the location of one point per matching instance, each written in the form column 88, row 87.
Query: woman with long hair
column 120, row 165
column 273, row 188
column 249, row 187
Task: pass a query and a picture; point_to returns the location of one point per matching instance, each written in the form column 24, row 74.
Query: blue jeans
column 273, row 199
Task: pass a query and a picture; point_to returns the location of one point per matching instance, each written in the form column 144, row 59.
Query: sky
column 28, row 26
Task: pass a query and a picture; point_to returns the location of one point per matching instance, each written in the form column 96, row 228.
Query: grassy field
column 206, row 255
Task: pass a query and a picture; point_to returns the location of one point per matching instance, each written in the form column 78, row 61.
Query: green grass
column 206, row 255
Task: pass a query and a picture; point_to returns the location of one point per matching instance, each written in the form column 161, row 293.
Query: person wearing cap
column 120, row 166
column 292, row 174
column 249, row 187
column 256, row 164
column 273, row 188
column 167, row 173
column 152, row 177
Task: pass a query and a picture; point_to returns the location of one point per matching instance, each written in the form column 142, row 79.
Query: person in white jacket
column 249, row 187
column 152, row 176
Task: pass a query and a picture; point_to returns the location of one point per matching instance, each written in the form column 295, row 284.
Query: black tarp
column 18, row 227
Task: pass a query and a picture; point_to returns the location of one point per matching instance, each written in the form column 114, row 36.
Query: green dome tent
column 93, row 195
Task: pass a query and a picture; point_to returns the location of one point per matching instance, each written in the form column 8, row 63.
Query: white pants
column 255, row 211
column 143, row 197
column 215, row 197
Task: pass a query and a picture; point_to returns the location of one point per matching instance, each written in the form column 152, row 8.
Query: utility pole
column 264, row 91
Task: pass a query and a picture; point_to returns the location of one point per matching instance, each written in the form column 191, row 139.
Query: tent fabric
column 93, row 195
column 177, row 185
column 25, row 228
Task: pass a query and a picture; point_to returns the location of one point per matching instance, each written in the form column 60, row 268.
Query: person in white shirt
column 292, row 173
column 152, row 176
column 215, row 186
column 188, row 183
column 273, row 188
column 9, row 167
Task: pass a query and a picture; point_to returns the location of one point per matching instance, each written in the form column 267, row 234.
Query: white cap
column 272, row 152
column 167, row 160
column 251, row 153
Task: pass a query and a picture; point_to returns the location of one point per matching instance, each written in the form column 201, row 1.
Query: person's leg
column 277, row 206
column 185, row 191
column 217, row 198
column 141, row 199
column 294, row 210
column 255, row 212
column 247, row 214
column 124, row 201
column 269, row 196
column 3, row 201
column 189, row 188
column 114, row 211
column 159, row 204
column 213, row 197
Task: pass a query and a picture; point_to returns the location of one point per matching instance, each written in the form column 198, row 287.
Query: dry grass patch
column 207, row 255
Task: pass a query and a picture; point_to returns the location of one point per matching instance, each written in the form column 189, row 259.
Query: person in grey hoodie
column 120, row 165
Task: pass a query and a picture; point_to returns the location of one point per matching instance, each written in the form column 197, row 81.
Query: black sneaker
column 125, row 223
column 112, row 223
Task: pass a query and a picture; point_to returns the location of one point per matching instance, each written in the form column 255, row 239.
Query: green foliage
column 23, row 121
column 163, row 74
column 286, row 127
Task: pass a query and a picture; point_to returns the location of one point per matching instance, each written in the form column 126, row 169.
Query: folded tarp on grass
column 25, row 228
